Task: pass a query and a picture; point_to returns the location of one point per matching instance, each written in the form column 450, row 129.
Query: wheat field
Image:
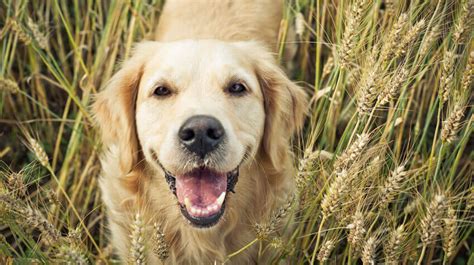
column 385, row 160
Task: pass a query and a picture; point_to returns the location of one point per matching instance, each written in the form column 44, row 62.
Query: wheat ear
column 352, row 152
column 431, row 224
column 9, row 86
column 160, row 246
column 331, row 199
column 37, row 34
column 137, row 236
column 356, row 231
column 39, row 152
column 450, row 232
column 447, row 76
column 392, row 185
column 326, row 250
column 350, row 32
column 393, row 248
column 368, row 251
column 463, row 21
column 452, row 125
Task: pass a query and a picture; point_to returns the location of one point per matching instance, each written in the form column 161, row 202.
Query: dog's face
column 197, row 111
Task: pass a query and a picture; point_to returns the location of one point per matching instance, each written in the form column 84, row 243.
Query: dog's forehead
column 191, row 57
column 200, row 51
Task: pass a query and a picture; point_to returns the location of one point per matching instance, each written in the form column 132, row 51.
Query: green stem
column 318, row 237
column 438, row 164
column 241, row 250
column 422, row 255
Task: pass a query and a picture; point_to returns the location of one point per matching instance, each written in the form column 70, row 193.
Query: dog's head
column 197, row 111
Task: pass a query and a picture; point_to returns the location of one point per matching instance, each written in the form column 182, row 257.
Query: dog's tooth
column 210, row 208
column 215, row 207
column 198, row 212
column 187, row 202
column 193, row 210
column 205, row 212
column 221, row 199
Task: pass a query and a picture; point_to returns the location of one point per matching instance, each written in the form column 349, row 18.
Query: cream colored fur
column 199, row 45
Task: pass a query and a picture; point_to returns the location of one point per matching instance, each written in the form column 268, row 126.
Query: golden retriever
column 201, row 106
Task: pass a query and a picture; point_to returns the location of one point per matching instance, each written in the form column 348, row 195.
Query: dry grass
column 385, row 158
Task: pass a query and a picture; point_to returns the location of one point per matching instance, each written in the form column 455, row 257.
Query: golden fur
column 198, row 45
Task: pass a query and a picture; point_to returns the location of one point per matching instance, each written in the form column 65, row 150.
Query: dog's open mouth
column 202, row 193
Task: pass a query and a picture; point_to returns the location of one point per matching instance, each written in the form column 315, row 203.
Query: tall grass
column 384, row 162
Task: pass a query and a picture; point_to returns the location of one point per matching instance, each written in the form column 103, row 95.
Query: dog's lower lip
column 203, row 222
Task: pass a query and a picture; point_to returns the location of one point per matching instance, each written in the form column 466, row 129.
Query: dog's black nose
column 201, row 134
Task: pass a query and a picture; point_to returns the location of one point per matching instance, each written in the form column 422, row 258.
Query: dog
column 196, row 127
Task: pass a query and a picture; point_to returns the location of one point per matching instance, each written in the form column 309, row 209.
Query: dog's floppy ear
column 285, row 107
column 285, row 110
column 114, row 110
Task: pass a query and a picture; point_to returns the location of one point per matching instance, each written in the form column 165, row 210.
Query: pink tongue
column 201, row 186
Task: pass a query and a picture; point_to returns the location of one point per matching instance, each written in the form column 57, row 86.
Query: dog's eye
column 237, row 88
column 161, row 91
